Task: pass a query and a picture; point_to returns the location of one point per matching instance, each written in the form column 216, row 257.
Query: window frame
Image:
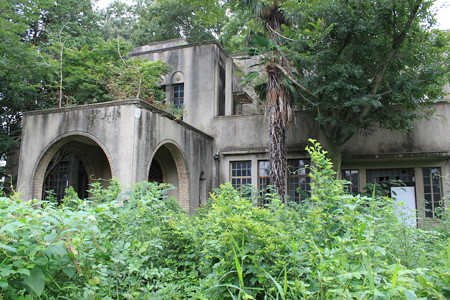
column 354, row 180
column 293, row 176
column 236, row 169
column 178, row 95
column 431, row 204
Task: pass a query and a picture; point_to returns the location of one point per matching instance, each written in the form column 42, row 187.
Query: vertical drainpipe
column 217, row 160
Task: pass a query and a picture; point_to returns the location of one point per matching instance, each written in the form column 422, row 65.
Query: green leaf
column 250, row 77
column 4, row 272
column 24, row 272
column 69, row 272
column 49, row 238
column 8, row 248
column 36, row 281
column 4, row 285
column 57, row 249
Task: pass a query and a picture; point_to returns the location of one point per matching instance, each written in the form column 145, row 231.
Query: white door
column 407, row 206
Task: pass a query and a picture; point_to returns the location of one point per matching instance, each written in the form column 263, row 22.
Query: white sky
column 442, row 7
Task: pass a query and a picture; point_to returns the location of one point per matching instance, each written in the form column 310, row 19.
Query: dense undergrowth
column 140, row 245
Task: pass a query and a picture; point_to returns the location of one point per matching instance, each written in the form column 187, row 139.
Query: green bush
column 138, row 244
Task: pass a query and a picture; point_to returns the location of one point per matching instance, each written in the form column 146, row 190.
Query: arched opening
column 156, row 173
column 202, row 193
column 168, row 166
column 64, row 170
column 75, row 161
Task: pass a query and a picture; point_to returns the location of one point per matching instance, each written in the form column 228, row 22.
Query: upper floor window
column 178, row 95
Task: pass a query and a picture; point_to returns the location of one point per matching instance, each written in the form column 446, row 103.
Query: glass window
column 390, row 175
column 263, row 174
column 380, row 181
column 353, row 177
column 432, row 191
column 263, row 180
column 178, row 95
column 299, row 186
column 241, row 173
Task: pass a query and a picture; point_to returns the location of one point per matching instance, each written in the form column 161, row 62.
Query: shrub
column 138, row 244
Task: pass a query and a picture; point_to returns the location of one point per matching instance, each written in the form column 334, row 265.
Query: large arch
column 85, row 148
column 169, row 160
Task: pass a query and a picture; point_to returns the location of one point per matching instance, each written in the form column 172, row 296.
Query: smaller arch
column 177, row 77
column 202, row 192
column 172, row 163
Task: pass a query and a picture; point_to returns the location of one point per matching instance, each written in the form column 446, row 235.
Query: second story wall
column 200, row 75
column 427, row 136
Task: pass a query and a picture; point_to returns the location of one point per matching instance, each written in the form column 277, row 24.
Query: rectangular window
column 241, row 173
column 178, row 95
column 405, row 176
column 380, row 181
column 263, row 174
column 353, row 177
column 432, row 191
column 298, row 180
column 263, row 180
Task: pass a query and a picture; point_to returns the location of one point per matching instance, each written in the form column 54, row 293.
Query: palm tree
column 277, row 97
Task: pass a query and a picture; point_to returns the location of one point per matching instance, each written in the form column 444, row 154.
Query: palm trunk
column 279, row 110
column 277, row 151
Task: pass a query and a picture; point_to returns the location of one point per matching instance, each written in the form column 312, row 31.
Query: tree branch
column 295, row 82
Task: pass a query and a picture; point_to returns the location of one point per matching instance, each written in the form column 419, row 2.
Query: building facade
column 222, row 137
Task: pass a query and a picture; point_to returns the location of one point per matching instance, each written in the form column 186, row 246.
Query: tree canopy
column 360, row 64
column 52, row 53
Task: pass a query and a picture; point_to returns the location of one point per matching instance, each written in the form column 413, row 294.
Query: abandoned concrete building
column 222, row 137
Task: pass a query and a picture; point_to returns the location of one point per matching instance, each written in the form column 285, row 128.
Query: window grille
column 178, row 95
column 241, row 173
column 353, row 177
column 299, row 183
column 432, row 191
column 390, row 175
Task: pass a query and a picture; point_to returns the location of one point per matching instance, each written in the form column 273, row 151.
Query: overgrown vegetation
column 139, row 244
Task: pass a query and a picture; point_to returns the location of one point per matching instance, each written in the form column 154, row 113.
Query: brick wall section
column 183, row 179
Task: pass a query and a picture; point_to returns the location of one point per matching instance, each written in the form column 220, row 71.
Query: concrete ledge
column 400, row 155
column 136, row 102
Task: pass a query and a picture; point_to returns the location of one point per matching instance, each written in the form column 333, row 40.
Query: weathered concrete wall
column 128, row 132
column 426, row 136
column 44, row 131
column 239, row 133
column 195, row 149
column 204, row 68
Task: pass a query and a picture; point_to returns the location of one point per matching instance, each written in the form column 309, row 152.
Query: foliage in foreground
column 139, row 245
